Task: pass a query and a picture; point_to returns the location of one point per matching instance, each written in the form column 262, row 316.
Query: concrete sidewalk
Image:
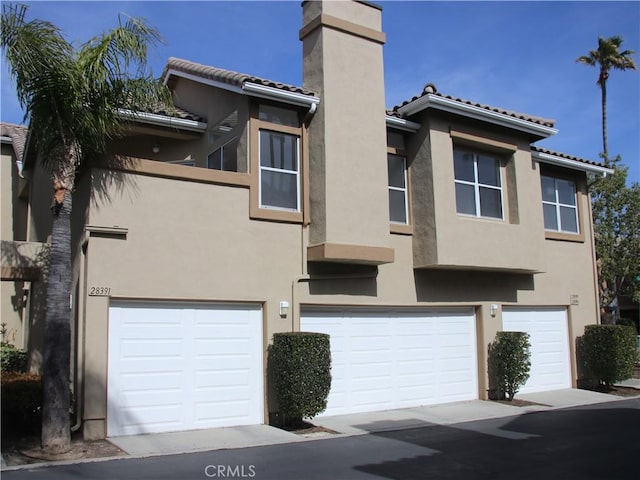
column 137, row 446
column 353, row 424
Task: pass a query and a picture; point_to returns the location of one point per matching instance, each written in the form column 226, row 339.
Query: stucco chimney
column 342, row 45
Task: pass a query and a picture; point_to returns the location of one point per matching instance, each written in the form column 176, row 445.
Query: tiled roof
column 226, row 76
column 431, row 90
column 566, row 156
column 18, row 135
column 177, row 112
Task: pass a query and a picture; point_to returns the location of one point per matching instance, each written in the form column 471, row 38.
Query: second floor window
column 559, row 204
column 279, row 170
column 478, row 183
column 397, row 169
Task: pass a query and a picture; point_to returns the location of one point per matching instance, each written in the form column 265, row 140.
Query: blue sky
column 515, row 55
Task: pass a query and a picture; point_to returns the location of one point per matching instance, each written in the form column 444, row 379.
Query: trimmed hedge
column 301, row 373
column 510, row 361
column 12, row 359
column 610, row 352
column 21, row 403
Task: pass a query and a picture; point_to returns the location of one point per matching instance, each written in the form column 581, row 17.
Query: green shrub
column 12, row 359
column 610, row 352
column 301, row 364
column 21, row 403
column 510, row 361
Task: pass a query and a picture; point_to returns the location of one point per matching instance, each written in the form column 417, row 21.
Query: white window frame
column 404, row 190
column 262, row 168
column 477, row 185
column 557, row 204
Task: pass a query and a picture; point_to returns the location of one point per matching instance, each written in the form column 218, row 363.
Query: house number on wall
column 99, row 291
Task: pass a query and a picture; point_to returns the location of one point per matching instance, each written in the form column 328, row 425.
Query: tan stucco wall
column 195, row 242
column 14, row 256
column 184, row 241
column 456, row 241
column 348, row 134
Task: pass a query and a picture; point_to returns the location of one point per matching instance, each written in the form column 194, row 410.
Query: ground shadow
column 590, row 442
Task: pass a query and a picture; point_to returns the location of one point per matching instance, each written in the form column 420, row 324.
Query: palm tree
column 72, row 100
column 608, row 56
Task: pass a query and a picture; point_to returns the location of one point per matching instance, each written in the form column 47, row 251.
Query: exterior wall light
column 155, row 148
column 493, row 309
column 284, row 309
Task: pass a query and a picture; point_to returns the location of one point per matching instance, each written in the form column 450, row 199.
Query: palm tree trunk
column 56, row 370
column 604, row 121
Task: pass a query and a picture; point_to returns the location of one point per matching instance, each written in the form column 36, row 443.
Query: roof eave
column 471, row 111
column 570, row 163
column 163, row 120
column 277, row 94
column 200, row 79
column 251, row 89
column 402, row 124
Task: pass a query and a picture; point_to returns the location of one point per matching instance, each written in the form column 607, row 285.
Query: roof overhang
column 277, row 94
column 252, row 89
column 19, row 163
column 477, row 113
column 163, row 120
column 402, row 124
column 570, row 163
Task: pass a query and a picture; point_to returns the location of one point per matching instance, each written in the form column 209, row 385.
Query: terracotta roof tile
column 177, row 112
column 226, row 76
column 522, row 116
column 18, row 135
column 567, row 156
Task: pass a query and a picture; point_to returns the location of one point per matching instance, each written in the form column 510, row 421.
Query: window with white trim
column 559, row 204
column 398, row 202
column 279, row 170
column 478, row 184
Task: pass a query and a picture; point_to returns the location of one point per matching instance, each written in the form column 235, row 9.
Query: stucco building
column 411, row 235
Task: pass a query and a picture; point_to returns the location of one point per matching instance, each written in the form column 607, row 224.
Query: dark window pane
column 230, row 157
column 396, row 169
column 566, row 192
column 463, row 166
column 278, row 189
column 550, row 217
column 279, row 115
column 397, row 206
column 465, row 199
column 214, row 160
column 568, row 222
column 488, row 171
column 490, row 203
column 548, row 189
column 278, row 150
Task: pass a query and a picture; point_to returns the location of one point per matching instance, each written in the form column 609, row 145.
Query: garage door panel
column 401, row 351
column 549, row 338
column 167, row 361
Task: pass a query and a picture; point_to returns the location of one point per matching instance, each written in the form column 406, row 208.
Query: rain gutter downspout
column 80, row 328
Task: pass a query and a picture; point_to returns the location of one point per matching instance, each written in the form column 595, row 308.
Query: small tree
column 616, row 219
column 510, row 361
column 302, row 374
column 610, row 353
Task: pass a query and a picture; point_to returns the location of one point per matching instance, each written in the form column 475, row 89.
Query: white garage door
column 383, row 360
column 548, row 328
column 179, row 367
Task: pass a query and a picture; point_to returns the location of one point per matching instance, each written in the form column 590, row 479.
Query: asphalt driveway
column 589, row 442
